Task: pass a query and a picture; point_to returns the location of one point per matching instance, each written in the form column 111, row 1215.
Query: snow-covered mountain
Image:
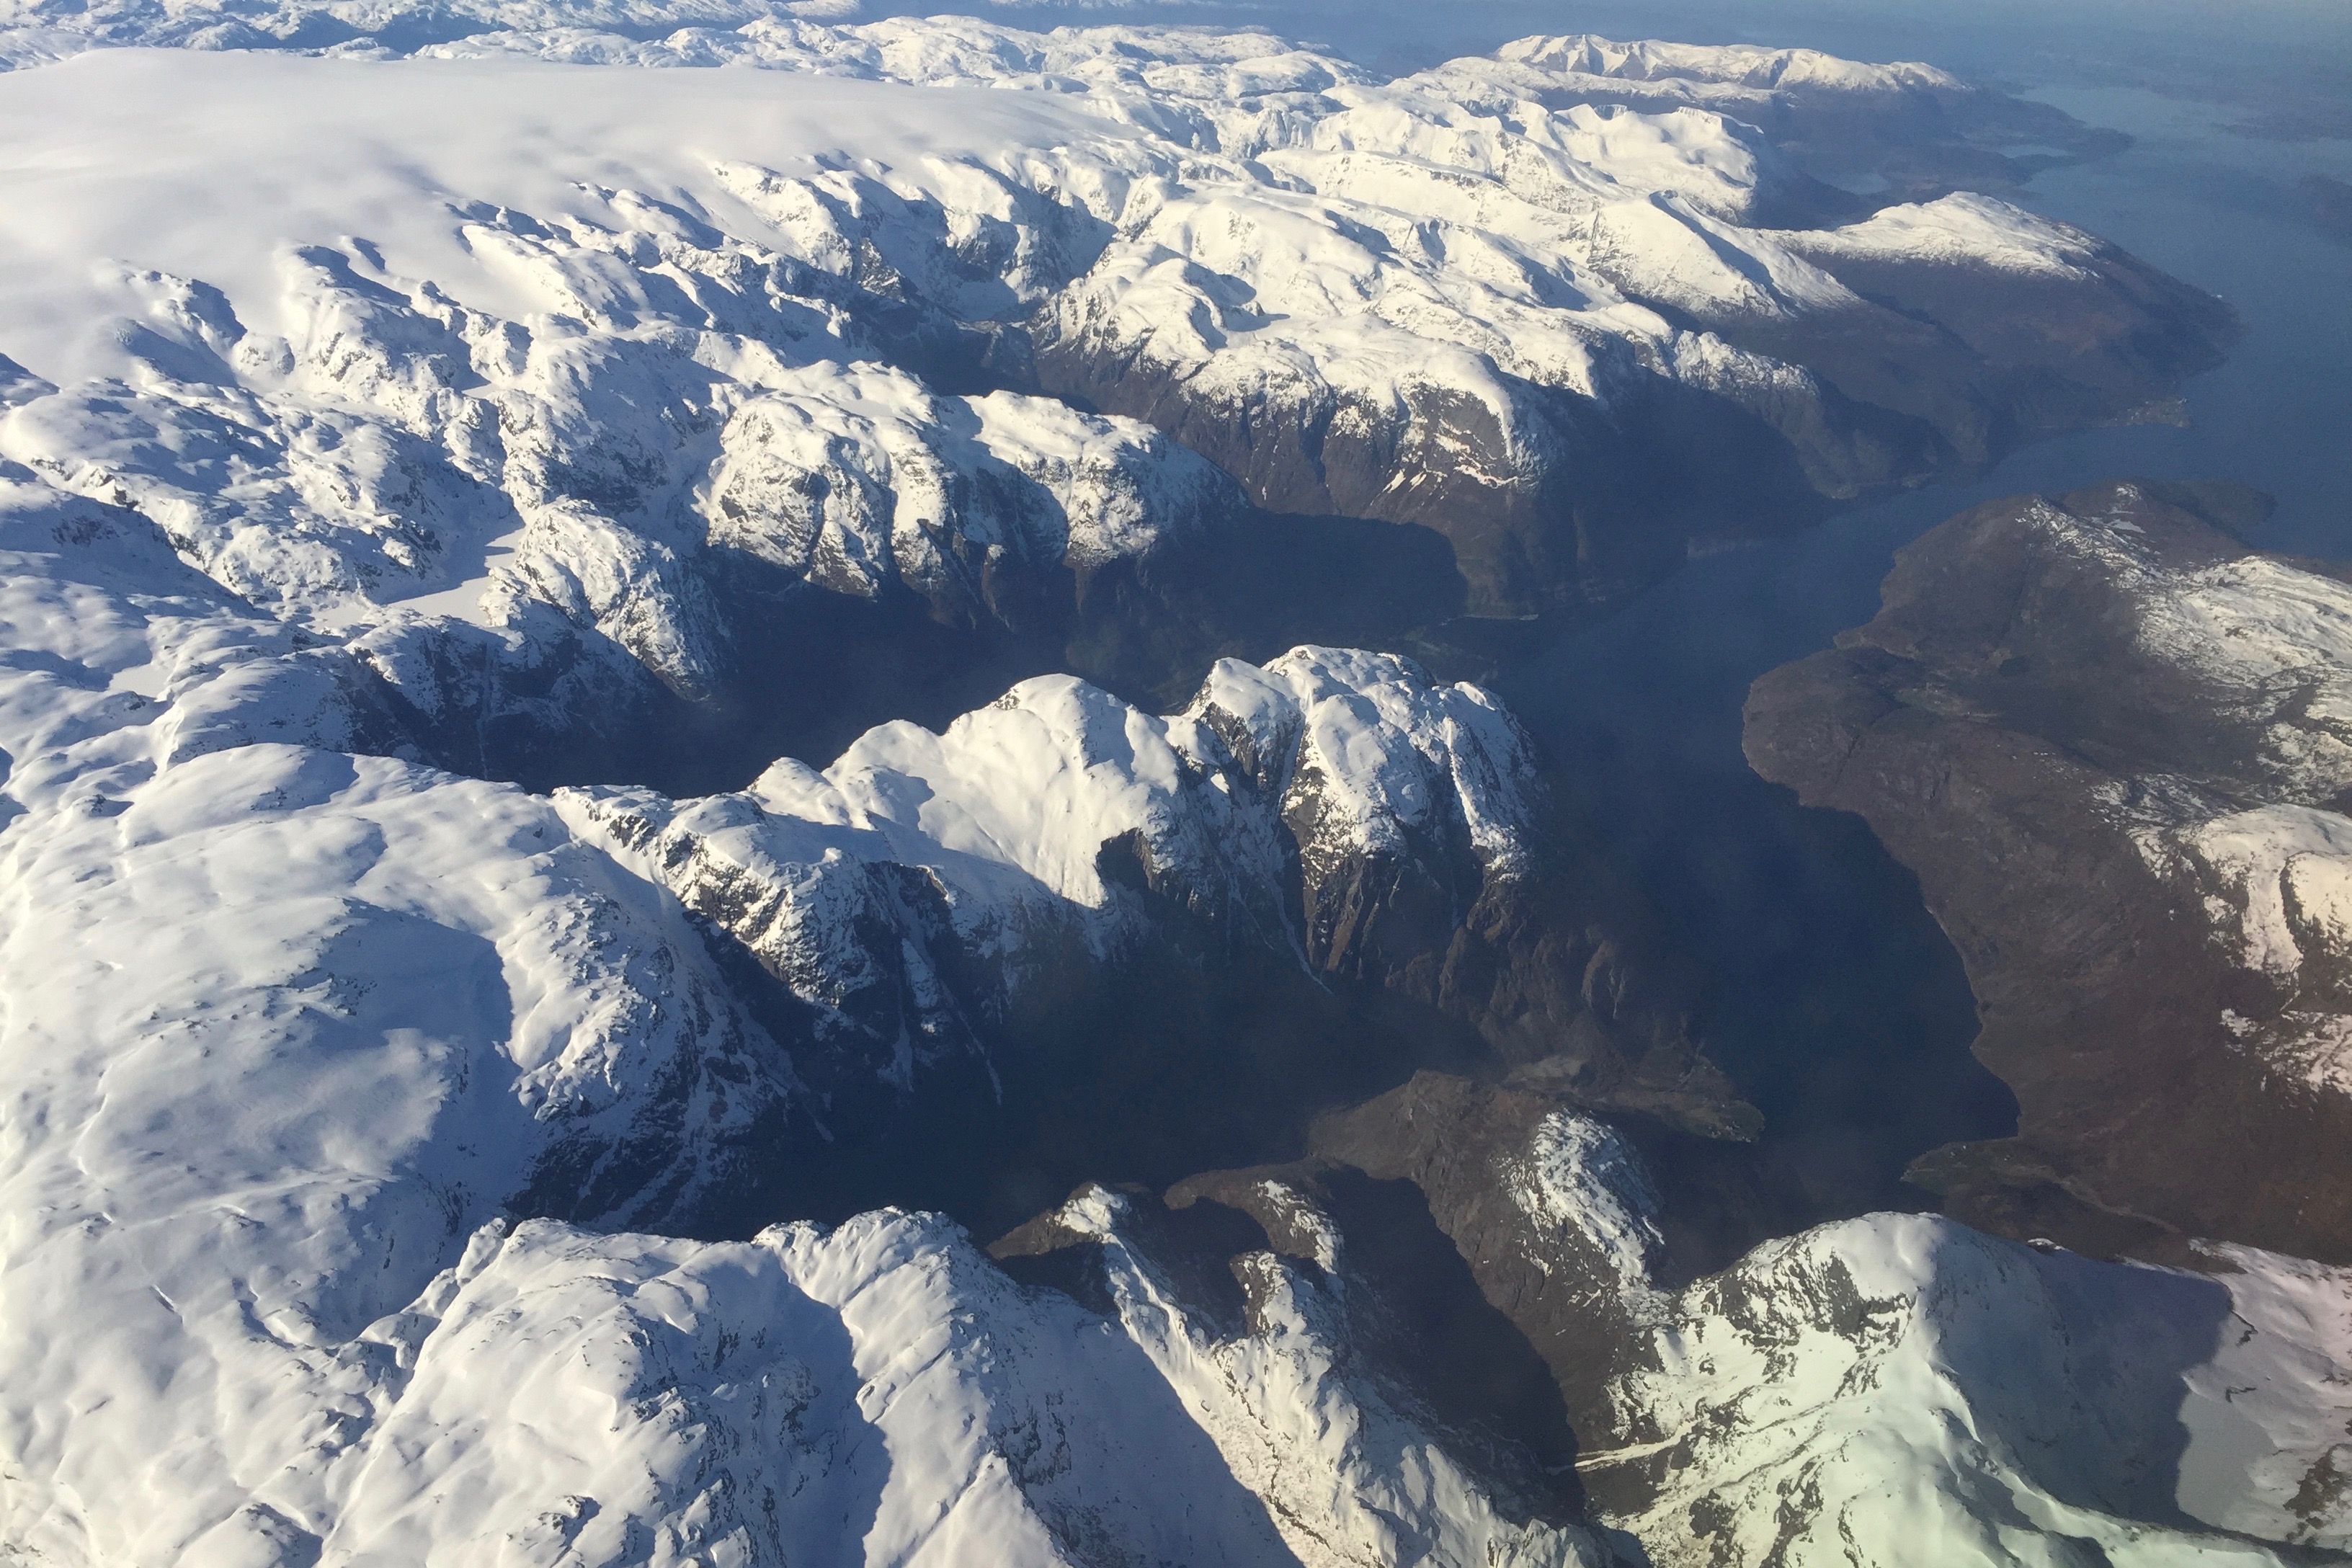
column 697, row 358
column 398, row 1164
column 1893, row 1388
column 286, row 1025
column 293, row 1034
column 925, row 897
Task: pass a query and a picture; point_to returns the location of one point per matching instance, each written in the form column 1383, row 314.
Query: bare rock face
column 2111, row 740
column 1558, row 1263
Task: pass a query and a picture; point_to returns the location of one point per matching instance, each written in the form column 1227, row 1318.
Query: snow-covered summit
column 1735, row 65
column 911, row 894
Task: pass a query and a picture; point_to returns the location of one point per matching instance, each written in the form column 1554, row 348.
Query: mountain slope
column 286, row 1027
column 295, row 1037
column 1892, row 1388
column 2107, row 735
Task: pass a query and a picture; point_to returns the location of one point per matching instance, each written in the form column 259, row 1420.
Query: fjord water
column 1838, row 1006
column 1843, row 1011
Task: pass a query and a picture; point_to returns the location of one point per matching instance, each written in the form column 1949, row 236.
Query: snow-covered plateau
column 468, row 1096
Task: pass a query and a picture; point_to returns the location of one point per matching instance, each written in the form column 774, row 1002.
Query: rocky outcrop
column 1247, row 1258
column 1557, row 1215
column 2109, row 738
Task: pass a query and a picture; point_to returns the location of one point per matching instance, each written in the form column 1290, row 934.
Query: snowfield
column 381, row 385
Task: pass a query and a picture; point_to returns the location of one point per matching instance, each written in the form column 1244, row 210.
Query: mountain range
column 748, row 814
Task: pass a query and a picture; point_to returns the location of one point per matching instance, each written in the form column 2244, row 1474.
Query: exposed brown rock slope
column 2112, row 739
